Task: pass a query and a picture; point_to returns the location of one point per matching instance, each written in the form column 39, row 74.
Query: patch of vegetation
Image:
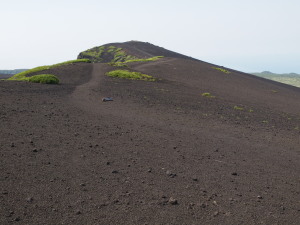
column 208, row 95
column 124, row 63
column 23, row 76
column 106, row 53
column 144, row 60
column 118, row 64
column 125, row 74
column 221, row 69
column 44, row 79
column 111, row 48
column 71, row 62
column 93, row 54
column 238, row 108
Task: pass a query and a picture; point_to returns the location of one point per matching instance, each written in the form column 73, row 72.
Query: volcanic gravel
column 159, row 153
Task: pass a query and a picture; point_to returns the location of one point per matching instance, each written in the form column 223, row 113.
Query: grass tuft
column 128, row 59
column 144, row 60
column 238, row 108
column 44, row 79
column 125, row 74
column 23, row 76
column 221, row 69
column 208, row 95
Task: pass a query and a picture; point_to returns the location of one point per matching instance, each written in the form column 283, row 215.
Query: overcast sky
column 247, row 35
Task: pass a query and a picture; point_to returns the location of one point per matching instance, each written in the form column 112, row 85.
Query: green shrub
column 71, row 62
column 238, row 108
column 128, row 59
column 144, row 60
column 221, row 69
column 25, row 74
column 130, row 75
column 44, row 79
column 208, row 95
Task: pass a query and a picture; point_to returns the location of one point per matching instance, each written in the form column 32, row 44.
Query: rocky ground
column 160, row 153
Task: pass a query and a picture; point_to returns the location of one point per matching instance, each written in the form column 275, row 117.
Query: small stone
column 173, row 201
column 259, row 197
column 107, row 163
column 12, row 145
column 78, row 212
column 5, row 192
column 203, row 205
column 234, row 174
column 216, row 213
column 83, row 184
column 115, row 171
column 29, row 199
column 195, row 179
column 35, row 150
column 149, row 170
column 170, row 174
column 17, row 219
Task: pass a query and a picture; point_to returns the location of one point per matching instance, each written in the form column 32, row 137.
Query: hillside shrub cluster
column 44, row 78
column 125, row 74
column 221, row 69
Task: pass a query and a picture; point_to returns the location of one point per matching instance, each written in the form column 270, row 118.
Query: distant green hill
column 286, row 78
column 12, row 71
column 5, row 74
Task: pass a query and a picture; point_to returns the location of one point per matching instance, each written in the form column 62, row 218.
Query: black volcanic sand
column 160, row 153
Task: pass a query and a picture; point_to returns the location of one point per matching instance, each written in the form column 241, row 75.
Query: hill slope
column 201, row 145
column 289, row 78
column 126, row 51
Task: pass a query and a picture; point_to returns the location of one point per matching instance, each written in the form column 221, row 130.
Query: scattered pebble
column 173, row 201
column 259, row 197
column 115, row 171
column 195, row 179
column 234, row 174
column 203, row 205
column 216, row 213
column 170, row 174
column 29, row 199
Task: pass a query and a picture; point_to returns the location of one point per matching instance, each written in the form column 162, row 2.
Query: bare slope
column 160, row 153
column 127, row 50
